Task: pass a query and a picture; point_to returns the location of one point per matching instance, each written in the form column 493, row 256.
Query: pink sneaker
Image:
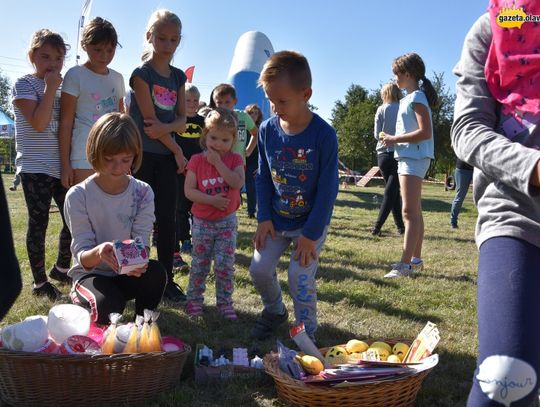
column 194, row 309
column 228, row 312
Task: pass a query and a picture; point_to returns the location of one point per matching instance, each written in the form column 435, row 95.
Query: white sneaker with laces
column 400, row 270
column 416, row 266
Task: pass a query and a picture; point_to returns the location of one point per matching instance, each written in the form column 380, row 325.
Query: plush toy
column 336, row 355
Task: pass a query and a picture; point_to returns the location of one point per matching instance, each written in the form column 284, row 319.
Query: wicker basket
column 83, row 380
column 399, row 393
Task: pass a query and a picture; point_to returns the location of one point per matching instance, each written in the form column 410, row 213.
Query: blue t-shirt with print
column 297, row 179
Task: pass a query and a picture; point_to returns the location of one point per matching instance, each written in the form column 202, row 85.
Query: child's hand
column 154, row 128
column 181, row 163
column 263, row 229
column 105, row 252
column 138, row 272
column 220, row 201
column 53, row 79
column 213, row 157
column 66, row 176
column 305, row 251
column 387, row 140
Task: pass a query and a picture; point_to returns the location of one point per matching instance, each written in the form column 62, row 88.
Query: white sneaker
column 416, row 266
column 399, row 270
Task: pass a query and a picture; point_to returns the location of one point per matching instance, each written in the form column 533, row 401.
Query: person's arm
column 264, row 183
column 475, row 117
column 84, row 247
column 68, row 106
column 153, row 127
column 144, row 218
column 39, row 114
column 327, row 188
column 252, row 129
column 219, row 201
column 378, row 123
column 9, row 272
column 423, row 132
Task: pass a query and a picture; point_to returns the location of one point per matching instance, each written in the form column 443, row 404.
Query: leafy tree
column 5, row 95
column 353, row 121
column 5, row 105
column 442, row 117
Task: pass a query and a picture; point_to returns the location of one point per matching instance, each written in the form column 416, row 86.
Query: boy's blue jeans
column 463, row 179
column 301, row 280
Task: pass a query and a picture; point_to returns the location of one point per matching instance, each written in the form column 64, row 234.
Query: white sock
column 39, row 285
column 61, row 269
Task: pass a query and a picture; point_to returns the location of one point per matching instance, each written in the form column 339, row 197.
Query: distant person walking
column 463, row 178
column 385, row 121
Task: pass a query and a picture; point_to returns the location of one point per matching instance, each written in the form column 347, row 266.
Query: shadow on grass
column 454, row 368
column 363, row 301
column 365, row 200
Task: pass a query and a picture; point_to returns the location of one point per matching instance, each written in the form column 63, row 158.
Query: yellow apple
column 356, row 346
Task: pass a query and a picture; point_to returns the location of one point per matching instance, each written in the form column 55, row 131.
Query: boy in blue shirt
column 297, row 184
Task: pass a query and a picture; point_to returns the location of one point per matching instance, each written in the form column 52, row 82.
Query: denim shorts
column 413, row 166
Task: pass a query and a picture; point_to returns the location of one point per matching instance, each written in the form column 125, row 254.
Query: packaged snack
column 144, row 337
column 28, row 335
column 109, row 336
column 154, row 335
column 132, row 345
column 79, row 344
column 130, row 254
column 66, row 320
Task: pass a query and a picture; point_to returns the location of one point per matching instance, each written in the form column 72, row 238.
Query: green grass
column 355, row 301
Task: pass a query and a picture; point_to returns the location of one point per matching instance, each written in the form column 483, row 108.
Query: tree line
column 353, row 119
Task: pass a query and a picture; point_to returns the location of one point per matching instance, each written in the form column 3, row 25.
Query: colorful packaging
column 130, row 254
column 79, row 344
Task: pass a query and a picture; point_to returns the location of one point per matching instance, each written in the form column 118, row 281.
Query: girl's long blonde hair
column 158, row 17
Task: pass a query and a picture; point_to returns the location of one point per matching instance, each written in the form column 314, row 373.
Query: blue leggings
column 508, row 324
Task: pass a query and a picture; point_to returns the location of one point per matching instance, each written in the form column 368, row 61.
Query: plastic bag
column 155, row 334
column 109, row 336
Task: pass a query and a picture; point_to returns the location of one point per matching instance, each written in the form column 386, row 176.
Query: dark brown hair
column 412, row 64
column 99, row 31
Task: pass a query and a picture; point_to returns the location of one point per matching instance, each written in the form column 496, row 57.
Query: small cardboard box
column 206, row 373
column 130, row 254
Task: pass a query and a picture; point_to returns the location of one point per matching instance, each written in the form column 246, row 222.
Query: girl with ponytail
column 413, row 149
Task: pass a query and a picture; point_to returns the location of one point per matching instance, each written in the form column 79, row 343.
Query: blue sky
column 345, row 41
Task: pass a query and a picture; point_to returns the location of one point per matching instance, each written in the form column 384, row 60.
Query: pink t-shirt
column 211, row 182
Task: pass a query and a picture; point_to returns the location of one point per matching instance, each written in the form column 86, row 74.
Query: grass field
column 355, row 301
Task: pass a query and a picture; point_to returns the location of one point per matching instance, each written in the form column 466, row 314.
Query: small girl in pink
column 213, row 181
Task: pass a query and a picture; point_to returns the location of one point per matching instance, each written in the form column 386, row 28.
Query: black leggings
column 103, row 295
column 159, row 171
column 391, row 199
column 183, row 215
column 38, row 190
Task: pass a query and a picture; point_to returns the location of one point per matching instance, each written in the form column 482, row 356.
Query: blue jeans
column 508, row 364
column 463, row 179
column 301, row 280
